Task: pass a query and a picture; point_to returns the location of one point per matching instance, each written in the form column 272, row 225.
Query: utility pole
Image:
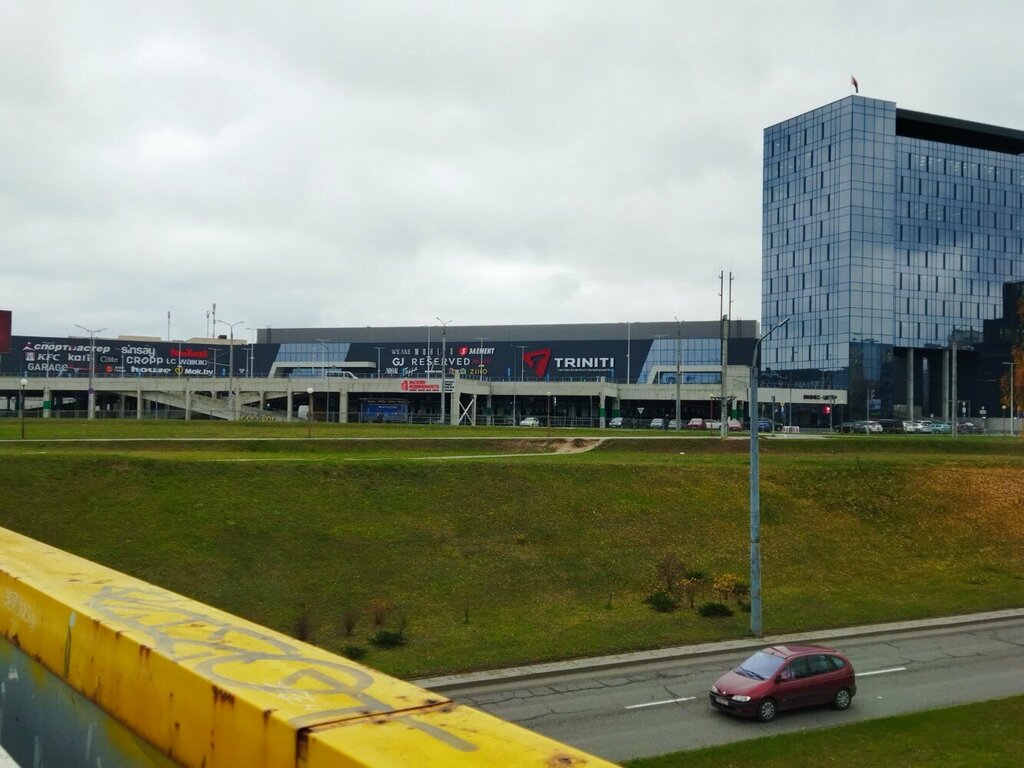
column 444, row 340
column 724, row 427
column 755, row 493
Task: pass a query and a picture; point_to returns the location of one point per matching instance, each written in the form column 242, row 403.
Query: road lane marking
column 659, row 703
column 881, row 671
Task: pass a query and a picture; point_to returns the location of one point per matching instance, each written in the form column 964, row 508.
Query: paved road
column 662, row 706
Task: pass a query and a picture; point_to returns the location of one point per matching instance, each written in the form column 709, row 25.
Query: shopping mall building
column 579, row 374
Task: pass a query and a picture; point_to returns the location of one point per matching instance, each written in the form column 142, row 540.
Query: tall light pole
column 549, row 414
column 627, row 353
column 232, row 400
column 444, row 345
column 309, row 412
column 378, row 360
column 1013, row 411
column 679, row 371
column 92, row 366
column 429, row 363
column 480, row 356
column 323, row 358
column 21, row 406
column 522, row 377
column 755, row 492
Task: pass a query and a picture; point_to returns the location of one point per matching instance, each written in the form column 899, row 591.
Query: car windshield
column 761, row 665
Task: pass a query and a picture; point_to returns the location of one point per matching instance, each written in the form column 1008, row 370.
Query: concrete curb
column 619, row 661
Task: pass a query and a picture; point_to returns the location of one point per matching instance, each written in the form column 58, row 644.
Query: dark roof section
column 963, row 133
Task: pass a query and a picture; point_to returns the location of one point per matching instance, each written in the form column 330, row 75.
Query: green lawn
column 547, row 556
column 973, row 736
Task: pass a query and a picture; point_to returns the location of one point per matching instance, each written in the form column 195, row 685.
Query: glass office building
column 888, row 236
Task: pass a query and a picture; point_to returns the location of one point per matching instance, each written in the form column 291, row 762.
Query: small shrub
column 694, row 583
column 349, row 619
column 386, row 638
column 729, row 586
column 380, row 609
column 354, row 652
column 744, row 605
column 669, row 569
column 302, row 629
column 715, row 609
column 662, row 602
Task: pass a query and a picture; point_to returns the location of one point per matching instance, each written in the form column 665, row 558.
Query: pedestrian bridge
column 101, row 669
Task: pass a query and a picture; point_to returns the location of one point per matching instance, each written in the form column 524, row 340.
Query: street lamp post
column 679, row 372
column 92, row 366
column 522, row 376
column 309, row 412
column 232, row 400
column 323, row 358
column 755, row 493
column 378, row 360
column 21, row 406
column 444, row 345
column 1013, row 410
column 480, row 356
column 549, row 414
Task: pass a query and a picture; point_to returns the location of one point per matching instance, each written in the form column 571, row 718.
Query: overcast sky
column 382, row 163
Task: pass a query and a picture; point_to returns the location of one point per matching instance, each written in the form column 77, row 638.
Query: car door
column 821, row 677
column 791, row 684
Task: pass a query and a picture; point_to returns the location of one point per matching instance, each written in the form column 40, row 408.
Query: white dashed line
column 881, row 671
column 659, row 703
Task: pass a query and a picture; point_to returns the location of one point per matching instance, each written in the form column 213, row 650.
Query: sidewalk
column 827, row 636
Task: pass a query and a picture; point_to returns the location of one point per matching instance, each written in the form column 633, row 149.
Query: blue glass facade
column 884, row 231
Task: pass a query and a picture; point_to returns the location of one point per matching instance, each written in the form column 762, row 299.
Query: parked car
column 969, row 428
column 695, row 424
column 657, row 424
column 734, row 425
column 785, row 677
column 940, row 427
column 712, row 424
column 530, row 421
column 615, row 422
column 674, row 424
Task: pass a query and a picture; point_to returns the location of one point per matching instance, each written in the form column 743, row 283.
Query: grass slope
column 547, row 556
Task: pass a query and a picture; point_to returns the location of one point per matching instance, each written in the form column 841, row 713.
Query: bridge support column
column 188, row 404
column 289, row 418
column 47, row 405
column 601, row 411
column 138, row 400
column 343, row 406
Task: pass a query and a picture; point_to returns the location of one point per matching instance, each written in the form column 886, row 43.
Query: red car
column 785, row 677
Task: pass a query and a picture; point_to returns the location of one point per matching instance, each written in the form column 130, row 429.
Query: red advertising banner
column 5, row 331
column 420, row 385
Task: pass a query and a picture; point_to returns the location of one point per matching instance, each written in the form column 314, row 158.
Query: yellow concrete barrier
column 212, row 690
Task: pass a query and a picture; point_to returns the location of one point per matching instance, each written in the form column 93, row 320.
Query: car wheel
column 842, row 699
column 767, row 710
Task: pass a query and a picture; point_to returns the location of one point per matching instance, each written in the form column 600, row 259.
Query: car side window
column 796, row 669
column 819, row 665
column 836, row 662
